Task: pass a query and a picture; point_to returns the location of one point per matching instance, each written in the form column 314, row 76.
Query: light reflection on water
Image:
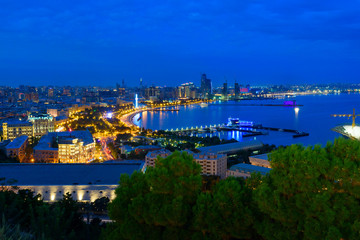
column 314, row 118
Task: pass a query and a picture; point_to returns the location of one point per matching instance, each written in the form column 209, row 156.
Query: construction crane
column 353, row 115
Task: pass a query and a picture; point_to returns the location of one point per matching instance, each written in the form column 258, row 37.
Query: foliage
column 167, row 202
column 312, row 193
column 27, row 213
column 9, row 232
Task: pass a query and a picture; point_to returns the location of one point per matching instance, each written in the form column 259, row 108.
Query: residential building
column 15, row 128
column 151, row 157
column 211, row 163
column 65, row 147
column 16, row 149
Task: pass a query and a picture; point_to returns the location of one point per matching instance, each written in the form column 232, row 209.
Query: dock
column 249, row 131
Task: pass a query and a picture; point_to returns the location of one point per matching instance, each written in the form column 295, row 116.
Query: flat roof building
column 230, row 148
column 86, row 182
column 244, row 170
column 17, row 148
column 211, row 163
column 65, row 147
column 261, row 160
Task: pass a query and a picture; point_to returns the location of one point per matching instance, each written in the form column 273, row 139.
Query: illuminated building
column 85, row 182
column 17, row 148
column 42, row 123
column 13, row 129
column 65, row 147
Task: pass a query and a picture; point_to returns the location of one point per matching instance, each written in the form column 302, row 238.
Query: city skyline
column 168, row 43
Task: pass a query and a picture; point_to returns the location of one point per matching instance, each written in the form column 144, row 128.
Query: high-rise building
column 205, row 87
column 185, row 90
column 225, row 90
column 236, row 89
column 152, row 93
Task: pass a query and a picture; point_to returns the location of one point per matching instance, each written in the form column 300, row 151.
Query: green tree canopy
column 312, row 192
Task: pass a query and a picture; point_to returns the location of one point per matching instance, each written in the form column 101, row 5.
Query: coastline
column 127, row 119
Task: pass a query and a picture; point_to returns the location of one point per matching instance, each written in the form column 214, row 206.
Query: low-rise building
column 85, row 182
column 244, row 170
column 151, row 157
column 261, row 160
column 16, row 149
column 15, row 128
column 65, row 147
column 211, row 163
column 42, row 123
column 231, row 148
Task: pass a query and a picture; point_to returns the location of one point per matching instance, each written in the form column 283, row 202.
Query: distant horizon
column 171, row 42
column 230, row 85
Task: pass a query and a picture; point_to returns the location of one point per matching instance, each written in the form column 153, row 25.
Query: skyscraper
column 225, row 90
column 236, row 89
column 205, row 87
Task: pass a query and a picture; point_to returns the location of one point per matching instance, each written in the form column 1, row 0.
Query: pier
column 249, row 131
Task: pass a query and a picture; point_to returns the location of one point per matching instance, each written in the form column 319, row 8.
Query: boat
column 235, row 122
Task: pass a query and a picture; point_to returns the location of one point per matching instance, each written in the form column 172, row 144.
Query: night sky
column 171, row 42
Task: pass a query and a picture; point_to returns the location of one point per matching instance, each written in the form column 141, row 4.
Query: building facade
column 42, row 123
column 65, row 147
column 17, row 148
column 211, row 163
column 14, row 129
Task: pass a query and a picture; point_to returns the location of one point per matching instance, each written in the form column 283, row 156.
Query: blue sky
column 172, row 42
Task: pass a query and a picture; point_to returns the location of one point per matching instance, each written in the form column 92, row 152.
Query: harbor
column 314, row 118
column 248, row 128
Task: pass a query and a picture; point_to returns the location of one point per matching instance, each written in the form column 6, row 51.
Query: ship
column 236, row 123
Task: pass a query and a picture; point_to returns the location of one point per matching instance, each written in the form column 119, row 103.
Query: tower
column 205, row 86
column 236, row 89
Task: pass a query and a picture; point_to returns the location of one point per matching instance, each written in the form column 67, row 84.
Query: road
column 105, row 149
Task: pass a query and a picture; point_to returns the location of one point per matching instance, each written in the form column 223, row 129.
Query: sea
column 313, row 117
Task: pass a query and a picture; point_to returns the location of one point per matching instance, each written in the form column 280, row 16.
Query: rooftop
column 250, row 168
column 17, row 142
column 45, row 141
column 12, row 122
column 232, row 147
column 67, row 174
column 264, row 156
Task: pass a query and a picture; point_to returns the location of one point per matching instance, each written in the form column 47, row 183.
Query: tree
column 311, row 193
column 227, row 212
column 158, row 204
